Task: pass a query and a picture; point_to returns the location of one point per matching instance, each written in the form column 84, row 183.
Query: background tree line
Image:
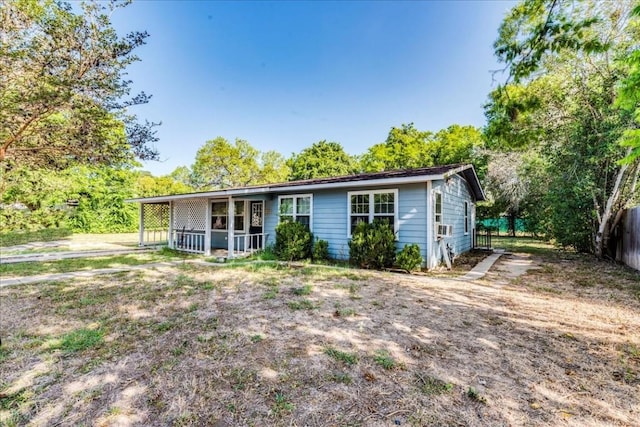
column 560, row 148
column 90, row 198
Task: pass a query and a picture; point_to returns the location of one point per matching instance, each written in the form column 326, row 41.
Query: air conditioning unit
column 444, row 230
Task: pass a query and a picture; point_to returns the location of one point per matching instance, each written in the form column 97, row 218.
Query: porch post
column 207, row 230
column 230, row 226
column 170, row 238
column 141, row 226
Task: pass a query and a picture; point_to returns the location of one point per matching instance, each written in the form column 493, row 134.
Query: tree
column 220, row 164
column 535, row 29
column 274, row 167
column 182, row 174
column 100, row 193
column 63, row 89
column 459, row 144
column 565, row 58
column 147, row 185
column 83, row 198
column 507, row 185
column 404, row 148
column 629, row 98
column 321, row 160
column 407, row 147
column 32, row 199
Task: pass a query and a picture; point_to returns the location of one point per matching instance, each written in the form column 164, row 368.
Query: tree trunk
column 602, row 234
column 512, row 217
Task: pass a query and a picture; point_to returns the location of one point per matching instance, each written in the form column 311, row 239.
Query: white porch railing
column 155, row 237
column 188, row 241
column 193, row 242
column 247, row 243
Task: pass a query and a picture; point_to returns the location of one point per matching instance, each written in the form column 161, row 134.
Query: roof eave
column 470, row 172
column 288, row 189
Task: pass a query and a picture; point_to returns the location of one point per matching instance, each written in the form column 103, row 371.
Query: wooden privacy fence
column 629, row 246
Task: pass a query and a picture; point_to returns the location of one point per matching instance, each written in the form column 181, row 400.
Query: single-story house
column 433, row 207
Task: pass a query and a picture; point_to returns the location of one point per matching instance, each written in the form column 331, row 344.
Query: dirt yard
column 266, row 345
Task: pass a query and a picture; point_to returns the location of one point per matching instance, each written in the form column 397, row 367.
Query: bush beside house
column 293, row 241
column 373, row 245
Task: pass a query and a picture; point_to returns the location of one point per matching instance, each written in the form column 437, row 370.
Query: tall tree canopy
column 404, row 148
column 567, row 59
column 82, row 198
column 536, row 29
column 147, row 185
column 407, row 147
column 459, row 144
column 220, row 164
column 629, row 97
column 64, row 97
column 320, row 160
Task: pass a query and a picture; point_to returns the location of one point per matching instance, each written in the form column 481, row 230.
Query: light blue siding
column 330, row 221
column 271, row 218
column 415, row 217
column 455, row 192
column 412, row 210
column 330, row 218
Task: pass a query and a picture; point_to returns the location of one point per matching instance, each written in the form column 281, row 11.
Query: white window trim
column 467, row 215
column 396, row 222
column 435, row 223
column 295, row 214
column 244, row 223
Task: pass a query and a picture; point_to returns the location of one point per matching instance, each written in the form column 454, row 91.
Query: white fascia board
column 364, row 183
column 475, row 175
column 455, row 171
column 305, row 188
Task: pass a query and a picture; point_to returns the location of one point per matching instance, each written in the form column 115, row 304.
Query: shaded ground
column 267, row 345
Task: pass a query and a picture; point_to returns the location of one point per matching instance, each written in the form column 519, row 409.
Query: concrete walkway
column 56, row 256
column 481, row 269
column 82, row 274
column 64, row 245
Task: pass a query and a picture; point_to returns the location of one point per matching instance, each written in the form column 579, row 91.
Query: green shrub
column 372, row 245
column 321, row 250
column 293, row 241
column 409, row 258
column 24, row 220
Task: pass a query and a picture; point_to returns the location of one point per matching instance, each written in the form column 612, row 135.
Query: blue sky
column 284, row 75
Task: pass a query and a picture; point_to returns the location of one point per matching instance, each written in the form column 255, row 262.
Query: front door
column 256, row 224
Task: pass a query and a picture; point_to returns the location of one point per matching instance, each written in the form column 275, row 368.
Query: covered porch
column 205, row 225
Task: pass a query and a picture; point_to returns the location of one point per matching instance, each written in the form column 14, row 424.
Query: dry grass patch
column 193, row 345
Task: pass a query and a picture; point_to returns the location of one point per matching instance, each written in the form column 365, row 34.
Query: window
column 437, row 211
column 466, row 217
column 438, row 208
column 297, row 208
column 219, row 213
column 369, row 206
